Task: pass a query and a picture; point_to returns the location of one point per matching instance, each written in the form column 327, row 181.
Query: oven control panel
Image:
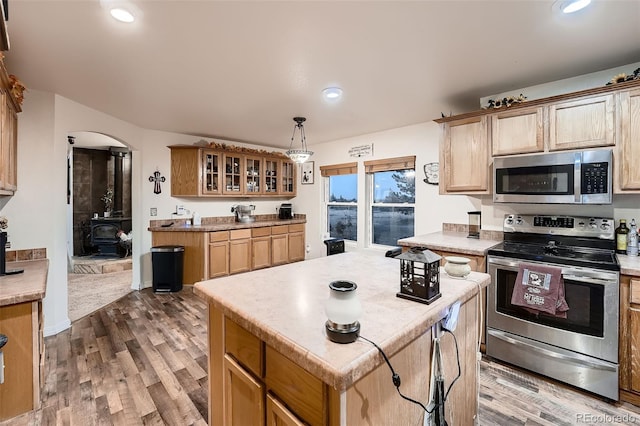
column 595, row 227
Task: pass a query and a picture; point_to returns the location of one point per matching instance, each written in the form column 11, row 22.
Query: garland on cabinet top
column 238, row 149
column 505, row 102
column 622, row 77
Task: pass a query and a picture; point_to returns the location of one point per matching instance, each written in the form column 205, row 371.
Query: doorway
column 99, row 243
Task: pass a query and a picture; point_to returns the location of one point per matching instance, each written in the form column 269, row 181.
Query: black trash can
column 168, row 265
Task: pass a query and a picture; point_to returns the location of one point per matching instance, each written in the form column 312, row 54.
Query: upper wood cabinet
column 628, row 149
column 464, row 152
column 215, row 172
column 582, row 123
column 517, row 132
column 10, row 101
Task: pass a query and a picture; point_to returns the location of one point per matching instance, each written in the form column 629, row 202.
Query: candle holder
column 343, row 310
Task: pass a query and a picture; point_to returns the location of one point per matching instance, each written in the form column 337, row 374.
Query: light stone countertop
column 27, row 286
column 450, row 241
column 284, row 307
column 180, row 225
column 629, row 265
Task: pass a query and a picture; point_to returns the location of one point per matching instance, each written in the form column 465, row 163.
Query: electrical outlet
column 153, row 211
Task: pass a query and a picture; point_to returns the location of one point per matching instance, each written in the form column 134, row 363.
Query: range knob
column 605, row 226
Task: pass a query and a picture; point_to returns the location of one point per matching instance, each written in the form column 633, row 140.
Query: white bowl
column 457, row 266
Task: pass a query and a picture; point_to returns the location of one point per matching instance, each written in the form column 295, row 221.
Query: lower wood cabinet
column 244, row 395
column 239, row 251
column 279, row 415
column 260, row 248
column 218, row 254
column 296, row 242
column 629, row 339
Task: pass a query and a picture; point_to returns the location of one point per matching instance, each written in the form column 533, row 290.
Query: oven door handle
column 574, row 358
column 592, row 280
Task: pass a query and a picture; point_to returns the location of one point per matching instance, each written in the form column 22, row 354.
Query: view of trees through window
column 342, row 209
column 392, row 211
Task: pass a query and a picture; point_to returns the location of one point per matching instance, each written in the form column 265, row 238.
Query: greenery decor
column 621, row 78
column 107, row 199
column 506, row 102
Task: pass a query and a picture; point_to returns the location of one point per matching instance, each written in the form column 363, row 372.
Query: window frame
column 338, row 170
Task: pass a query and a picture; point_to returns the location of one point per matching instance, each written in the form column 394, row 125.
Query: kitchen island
column 269, row 357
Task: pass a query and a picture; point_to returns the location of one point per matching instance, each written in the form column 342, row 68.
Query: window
column 341, row 195
column 392, row 199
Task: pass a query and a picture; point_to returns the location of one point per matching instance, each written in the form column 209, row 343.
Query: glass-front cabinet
column 288, row 179
column 219, row 170
column 211, row 170
column 254, row 172
column 271, row 175
column 232, row 174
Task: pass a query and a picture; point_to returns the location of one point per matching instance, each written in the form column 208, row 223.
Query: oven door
column 591, row 326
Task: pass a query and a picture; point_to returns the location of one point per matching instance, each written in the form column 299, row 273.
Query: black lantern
column 419, row 275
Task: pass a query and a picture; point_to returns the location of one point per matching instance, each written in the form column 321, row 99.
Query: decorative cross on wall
column 156, row 179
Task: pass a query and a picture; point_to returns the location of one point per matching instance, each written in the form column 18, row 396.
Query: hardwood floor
column 142, row 360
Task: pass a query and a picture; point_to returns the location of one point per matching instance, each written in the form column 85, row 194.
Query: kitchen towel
column 540, row 289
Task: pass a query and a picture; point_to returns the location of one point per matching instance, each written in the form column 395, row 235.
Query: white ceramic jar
column 343, row 306
column 457, row 266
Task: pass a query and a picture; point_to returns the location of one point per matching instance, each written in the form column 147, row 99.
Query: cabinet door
column 279, row 415
column 272, row 175
column 629, row 147
column 244, row 396
column 279, row 249
column 233, row 171
column 254, row 176
column 211, row 172
column 186, row 163
column 634, row 348
column 239, row 255
column 517, row 132
column 583, row 123
column 288, row 179
column 218, row 259
column 465, row 156
column 260, row 252
column 296, row 246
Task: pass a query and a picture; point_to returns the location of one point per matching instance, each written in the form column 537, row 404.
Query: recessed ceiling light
column 574, row 5
column 122, row 15
column 332, row 93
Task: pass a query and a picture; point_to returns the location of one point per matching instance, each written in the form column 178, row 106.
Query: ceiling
column 241, row 70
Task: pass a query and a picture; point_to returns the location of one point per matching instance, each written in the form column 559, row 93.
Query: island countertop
column 27, row 286
column 450, row 241
column 284, row 307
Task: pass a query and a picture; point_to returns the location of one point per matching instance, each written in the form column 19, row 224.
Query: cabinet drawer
column 215, row 237
column 244, row 346
column 634, row 292
column 261, row 232
column 302, row 391
column 297, row 227
column 238, row 234
column 280, row 229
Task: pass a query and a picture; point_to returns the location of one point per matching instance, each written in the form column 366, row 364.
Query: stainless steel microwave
column 570, row 177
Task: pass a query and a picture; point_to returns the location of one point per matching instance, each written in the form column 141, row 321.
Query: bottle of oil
column 632, row 239
column 622, row 235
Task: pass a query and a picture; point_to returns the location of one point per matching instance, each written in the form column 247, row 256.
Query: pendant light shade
column 299, row 155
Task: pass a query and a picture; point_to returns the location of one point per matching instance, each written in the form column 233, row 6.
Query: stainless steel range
column 581, row 349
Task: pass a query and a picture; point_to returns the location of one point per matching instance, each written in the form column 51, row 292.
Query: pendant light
column 299, row 155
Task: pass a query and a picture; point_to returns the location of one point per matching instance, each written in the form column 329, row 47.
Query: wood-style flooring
column 142, row 360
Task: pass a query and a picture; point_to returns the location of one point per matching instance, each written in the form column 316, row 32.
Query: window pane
column 343, row 188
column 343, row 222
column 394, row 187
column 391, row 223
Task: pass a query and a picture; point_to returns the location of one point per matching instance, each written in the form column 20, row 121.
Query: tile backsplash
column 464, row 228
column 26, row 254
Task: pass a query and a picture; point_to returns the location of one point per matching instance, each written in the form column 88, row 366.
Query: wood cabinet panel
column 218, row 259
column 628, row 152
column 296, row 246
column 245, row 347
column 279, row 249
column 218, row 236
column 279, row 415
column 185, row 172
column 260, row 252
column 244, row 396
column 465, row 156
column 303, row 392
column 582, row 123
column 239, row 256
column 634, row 352
column 517, row 132
column 195, row 260
column 17, row 391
